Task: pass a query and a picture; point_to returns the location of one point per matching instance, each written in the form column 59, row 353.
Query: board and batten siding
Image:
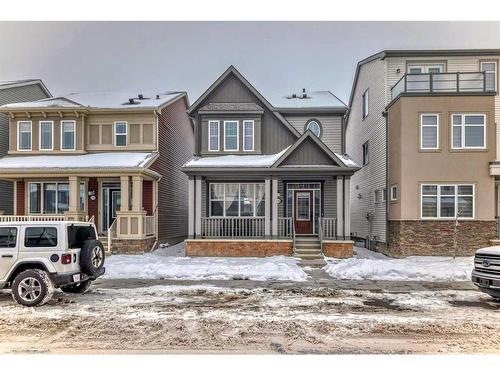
column 176, row 147
column 452, row 64
column 372, row 76
column 13, row 95
column 331, row 129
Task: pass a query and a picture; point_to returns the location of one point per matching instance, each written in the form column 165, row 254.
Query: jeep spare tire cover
column 92, row 257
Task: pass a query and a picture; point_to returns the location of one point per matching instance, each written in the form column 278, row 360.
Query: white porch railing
column 111, row 234
column 328, row 228
column 11, row 218
column 232, row 227
column 149, row 225
column 285, row 227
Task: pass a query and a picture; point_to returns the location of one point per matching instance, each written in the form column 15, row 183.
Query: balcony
column 444, row 83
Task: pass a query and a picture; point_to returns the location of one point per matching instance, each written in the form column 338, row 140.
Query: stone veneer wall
column 132, row 246
column 435, row 237
column 237, row 248
column 338, row 249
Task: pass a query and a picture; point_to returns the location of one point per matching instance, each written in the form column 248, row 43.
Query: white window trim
column 19, row 136
column 462, row 133
column 224, row 199
column 367, row 96
column 218, row 135
column 40, row 134
column 425, row 67
column 115, row 133
column 253, row 135
column 73, row 122
column 394, row 188
column 237, row 135
column 365, row 160
column 437, row 126
column 496, row 70
column 438, row 203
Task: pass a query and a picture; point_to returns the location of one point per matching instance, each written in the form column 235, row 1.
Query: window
column 231, row 136
column 314, row 126
column 213, row 135
column 46, row 135
column 425, row 68
column 248, row 135
column 237, row 200
column 365, row 104
column 68, row 135
column 429, row 132
column 394, row 192
column 52, row 198
column 490, row 71
column 8, row 238
column 447, row 201
column 365, row 153
column 24, row 135
column 77, row 235
column 468, row 131
column 380, row 195
column 40, row 237
column 121, row 133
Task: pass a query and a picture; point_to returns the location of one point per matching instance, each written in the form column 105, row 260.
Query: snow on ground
column 168, row 263
column 368, row 265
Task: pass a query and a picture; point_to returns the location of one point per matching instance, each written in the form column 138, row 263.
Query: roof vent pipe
column 304, row 94
column 131, row 101
column 294, row 95
column 157, row 96
column 140, row 96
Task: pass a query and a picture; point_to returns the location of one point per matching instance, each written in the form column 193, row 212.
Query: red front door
column 303, row 211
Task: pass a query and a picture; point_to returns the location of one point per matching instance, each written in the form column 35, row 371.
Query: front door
column 303, row 212
column 111, row 204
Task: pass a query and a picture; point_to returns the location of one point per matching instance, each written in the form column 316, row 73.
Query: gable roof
column 25, row 82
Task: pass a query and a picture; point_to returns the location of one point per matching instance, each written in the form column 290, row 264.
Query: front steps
column 308, row 248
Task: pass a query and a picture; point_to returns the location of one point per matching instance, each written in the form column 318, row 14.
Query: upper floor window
column 365, row 153
column 68, row 135
column 46, row 135
column 490, row 70
column 394, row 192
column 121, row 133
column 380, row 196
column 231, row 142
column 447, row 201
column 425, row 68
column 468, row 131
column 365, row 103
column 429, row 131
column 24, row 135
column 213, row 135
column 314, row 126
column 248, row 135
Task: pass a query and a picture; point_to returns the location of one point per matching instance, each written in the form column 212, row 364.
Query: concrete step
column 309, row 256
column 307, row 251
column 307, row 245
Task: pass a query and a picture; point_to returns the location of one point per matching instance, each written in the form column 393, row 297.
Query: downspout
column 385, row 113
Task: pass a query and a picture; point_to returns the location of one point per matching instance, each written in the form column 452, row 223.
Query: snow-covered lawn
column 167, row 263
column 368, row 265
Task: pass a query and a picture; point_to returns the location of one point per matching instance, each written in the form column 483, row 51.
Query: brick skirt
column 237, row 248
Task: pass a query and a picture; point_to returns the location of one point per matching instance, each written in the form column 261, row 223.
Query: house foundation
column 237, row 248
column 338, row 249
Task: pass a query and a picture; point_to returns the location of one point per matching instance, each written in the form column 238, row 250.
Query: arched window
column 314, row 126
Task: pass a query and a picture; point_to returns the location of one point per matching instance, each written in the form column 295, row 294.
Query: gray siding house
column 270, row 175
column 12, row 92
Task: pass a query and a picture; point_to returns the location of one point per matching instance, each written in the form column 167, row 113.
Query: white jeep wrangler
column 38, row 256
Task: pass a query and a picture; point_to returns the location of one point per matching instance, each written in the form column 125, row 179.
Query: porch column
column 267, row 207
column 137, row 192
column 340, row 206
column 347, row 208
column 275, row 208
column 191, row 195
column 74, row 194
column 198, row 193
column 125, row 193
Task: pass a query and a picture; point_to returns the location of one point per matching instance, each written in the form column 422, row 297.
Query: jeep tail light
column 66, row 258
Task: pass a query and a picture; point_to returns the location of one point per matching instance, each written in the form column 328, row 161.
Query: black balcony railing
column 436, row 83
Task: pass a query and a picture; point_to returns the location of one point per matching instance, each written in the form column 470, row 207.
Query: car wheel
column 92, row 257
column 32, row 288
column 78, row 288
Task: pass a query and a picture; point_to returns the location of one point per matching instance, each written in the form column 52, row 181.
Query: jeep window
column 8, row 237
column 77, row 235
column 40, row 237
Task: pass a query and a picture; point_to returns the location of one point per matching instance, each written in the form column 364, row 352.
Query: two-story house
column 103, row 157
column 423, row 127
column 269, row 176
column 12, row 92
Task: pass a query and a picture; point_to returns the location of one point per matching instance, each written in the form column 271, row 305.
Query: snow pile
column 157, row 265
column 367, row 265
column 236, row 160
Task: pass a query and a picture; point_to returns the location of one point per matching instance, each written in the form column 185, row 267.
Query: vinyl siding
column 308, row 153
column 372, row 129
column 176, row 147
column 331, row 129
column 330, row 198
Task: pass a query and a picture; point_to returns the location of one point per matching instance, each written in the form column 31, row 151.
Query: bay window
column 68, row 135
column 237, row 200
column 231, row 140
column 213, row 135
column 52, row 198
column 24, row 135
column 468, row 131
column 447, row 201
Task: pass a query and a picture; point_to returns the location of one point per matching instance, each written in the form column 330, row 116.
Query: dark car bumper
column 73, row 278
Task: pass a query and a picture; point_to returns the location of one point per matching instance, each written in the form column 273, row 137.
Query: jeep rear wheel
column 32, row 288
column 79, row 288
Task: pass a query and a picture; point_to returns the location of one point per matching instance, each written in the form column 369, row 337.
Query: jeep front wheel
column 79, row 288
column 32, row 288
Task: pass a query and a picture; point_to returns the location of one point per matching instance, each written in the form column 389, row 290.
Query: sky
column 188, row 56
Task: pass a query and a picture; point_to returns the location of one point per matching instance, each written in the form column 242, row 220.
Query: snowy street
column 116, row 316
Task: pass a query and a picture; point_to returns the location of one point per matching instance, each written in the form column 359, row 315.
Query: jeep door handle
column 7, row 256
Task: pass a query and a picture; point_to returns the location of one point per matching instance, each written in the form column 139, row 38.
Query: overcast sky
column 189, row 56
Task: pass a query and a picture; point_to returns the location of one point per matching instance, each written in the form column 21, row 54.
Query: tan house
column 103, row 158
